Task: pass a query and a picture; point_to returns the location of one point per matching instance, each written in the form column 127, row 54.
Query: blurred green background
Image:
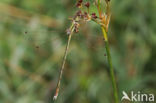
column 33, row 40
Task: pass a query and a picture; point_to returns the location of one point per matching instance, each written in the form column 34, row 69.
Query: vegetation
column 33, row 40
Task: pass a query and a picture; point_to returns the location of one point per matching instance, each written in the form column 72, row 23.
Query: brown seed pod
column 78, row 5
column 76, row 27
column 79, row 14
column 87, row 16
column 94, row 15
column 80, row 1
column 87, row 4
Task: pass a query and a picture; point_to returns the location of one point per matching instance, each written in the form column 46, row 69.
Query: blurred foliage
column 31, row 52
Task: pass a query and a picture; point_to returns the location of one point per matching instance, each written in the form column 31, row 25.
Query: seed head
column 87, row 4
column 76, row 27
column 78, row 5
column 80, row 1
column 87, row 16
column 94, row 15
column 79, row 14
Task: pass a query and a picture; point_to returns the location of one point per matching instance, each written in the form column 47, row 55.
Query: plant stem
column 110, row 64
column 63, row 63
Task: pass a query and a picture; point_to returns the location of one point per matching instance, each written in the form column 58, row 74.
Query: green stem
column 110, row 64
